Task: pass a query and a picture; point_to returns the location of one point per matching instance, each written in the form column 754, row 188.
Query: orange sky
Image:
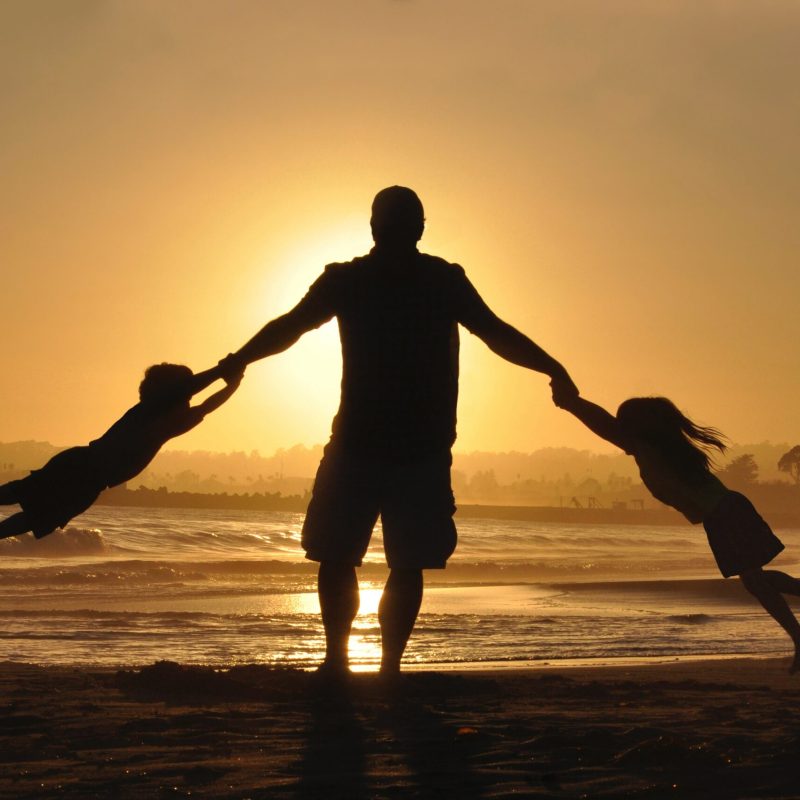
column 621, row 181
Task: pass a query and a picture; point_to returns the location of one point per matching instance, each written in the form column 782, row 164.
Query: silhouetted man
column 389, row 454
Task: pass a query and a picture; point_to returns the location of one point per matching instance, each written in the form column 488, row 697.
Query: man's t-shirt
column 398, row 318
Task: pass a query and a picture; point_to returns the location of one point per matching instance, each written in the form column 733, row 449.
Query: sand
column 705, row 729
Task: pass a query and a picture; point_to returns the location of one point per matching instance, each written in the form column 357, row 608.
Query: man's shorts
column 414, row 500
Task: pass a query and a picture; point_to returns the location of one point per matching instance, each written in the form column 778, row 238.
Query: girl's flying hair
column 657, row 421
column 165, row 382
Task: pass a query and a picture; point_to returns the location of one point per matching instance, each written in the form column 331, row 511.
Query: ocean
column 130, row 586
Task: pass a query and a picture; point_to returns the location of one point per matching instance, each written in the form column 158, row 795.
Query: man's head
column 397, row 217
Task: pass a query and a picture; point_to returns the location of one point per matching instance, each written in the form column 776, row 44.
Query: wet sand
column 706, row 729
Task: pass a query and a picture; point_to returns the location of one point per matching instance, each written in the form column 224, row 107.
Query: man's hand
column 233, row 379
column 231, row 369
column 565, row 392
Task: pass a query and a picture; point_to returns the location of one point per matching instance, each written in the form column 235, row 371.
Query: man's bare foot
column 332, row 671
column 390, row 676
column 389, row 668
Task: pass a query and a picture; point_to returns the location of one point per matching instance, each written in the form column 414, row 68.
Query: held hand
column 231, row 369
column 565, row 392
column 234, row 380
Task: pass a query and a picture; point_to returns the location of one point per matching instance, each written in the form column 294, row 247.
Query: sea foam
column 68, row 542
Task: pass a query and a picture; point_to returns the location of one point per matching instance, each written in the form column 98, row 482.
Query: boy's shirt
column 133, row 441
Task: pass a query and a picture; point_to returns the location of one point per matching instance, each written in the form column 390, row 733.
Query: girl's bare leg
column 14, row 525
column 784, row 583
column 761, row 586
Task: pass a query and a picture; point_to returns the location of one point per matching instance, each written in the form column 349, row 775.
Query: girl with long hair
column 674, row 456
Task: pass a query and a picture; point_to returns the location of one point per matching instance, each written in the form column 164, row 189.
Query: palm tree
column 790, row 462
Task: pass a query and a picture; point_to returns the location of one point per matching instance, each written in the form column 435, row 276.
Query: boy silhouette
column 71, row 480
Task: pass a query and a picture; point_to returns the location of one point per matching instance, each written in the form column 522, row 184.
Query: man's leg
column 338, row 601
column 397, row 614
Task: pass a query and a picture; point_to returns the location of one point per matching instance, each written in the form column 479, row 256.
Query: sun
column 302, row 260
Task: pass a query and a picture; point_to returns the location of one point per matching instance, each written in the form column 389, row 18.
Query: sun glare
column 311, row 372
column 308, row 603
column 298, row 265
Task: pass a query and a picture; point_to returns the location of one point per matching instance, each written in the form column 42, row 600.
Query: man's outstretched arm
column 275, row 337
column 506, row 340
column 516, row 347
column 281, row 333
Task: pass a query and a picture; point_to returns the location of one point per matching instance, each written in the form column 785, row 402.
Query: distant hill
column 557, row 477
column 25, row 456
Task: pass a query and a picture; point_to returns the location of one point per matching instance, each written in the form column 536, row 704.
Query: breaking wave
column 68, row 542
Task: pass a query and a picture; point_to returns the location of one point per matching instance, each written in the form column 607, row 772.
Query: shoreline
column 598, row 665
column 150, row 498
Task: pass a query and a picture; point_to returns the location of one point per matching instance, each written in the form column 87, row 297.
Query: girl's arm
column 594, row 417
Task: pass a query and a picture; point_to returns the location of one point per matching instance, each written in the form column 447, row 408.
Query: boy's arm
column 196, row 383
column 202, row 380
column 594, row 417
column 213, row 402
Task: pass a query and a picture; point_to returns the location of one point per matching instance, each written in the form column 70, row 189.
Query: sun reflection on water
column 370, row 598
column 365, row 641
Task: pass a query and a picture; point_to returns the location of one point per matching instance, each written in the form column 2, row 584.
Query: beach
column 697, row 728
column 168, row 653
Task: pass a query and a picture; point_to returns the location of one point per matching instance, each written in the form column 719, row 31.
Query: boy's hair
column 165, row 382
column 658, row 421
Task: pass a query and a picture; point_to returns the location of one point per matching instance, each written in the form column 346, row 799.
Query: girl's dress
column 739, row 538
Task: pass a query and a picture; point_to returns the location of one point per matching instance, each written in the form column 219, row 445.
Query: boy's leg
column 762, row 588
column 8, row 494
column 338, row 600
column 397, row 613
column 14, row 525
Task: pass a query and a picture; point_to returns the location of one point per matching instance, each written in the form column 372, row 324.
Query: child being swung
column 673, row 456
column 71, row 481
